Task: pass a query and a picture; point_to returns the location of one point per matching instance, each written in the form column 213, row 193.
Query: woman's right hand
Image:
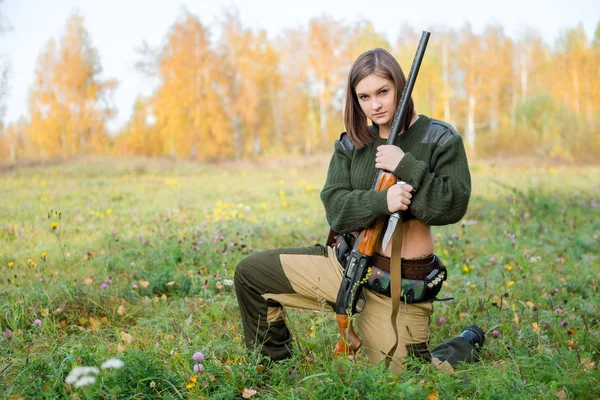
column 398, row 197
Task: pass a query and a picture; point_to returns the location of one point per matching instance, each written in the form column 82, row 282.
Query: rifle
column 365, row 245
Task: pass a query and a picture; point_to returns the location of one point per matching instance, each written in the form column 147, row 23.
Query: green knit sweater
column 434, row 164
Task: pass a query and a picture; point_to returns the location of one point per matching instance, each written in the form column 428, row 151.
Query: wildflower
column 511, row 283
column 7, row 333
column 228, row 282
column 108, row 211
column 37, row 322
column 558, row 310
column 103, row 286
column 465, row 269
column 84, row 381
column 78, row 373
column 563, row 323
column 135, row 286
column 44, row 255
column 492, row 260
column 11, row 264
column 198, row 368
column 556, row 290
column 191, row 382
column 114, row 233
column 53, row 225
column 442, row 320
column 495, row 334
column 508, row 267
column 198, row 356
column 112, row 363
column 152, row 384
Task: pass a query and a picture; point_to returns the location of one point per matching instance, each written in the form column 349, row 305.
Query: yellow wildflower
column 511, row 283
column 284, row 203
column 508, row 267
column 108, row 211
column 465, row 269
column 191, row 382
column 54, row 225
column 11, row 264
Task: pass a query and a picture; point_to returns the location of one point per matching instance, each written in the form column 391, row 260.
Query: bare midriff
column 417, row 240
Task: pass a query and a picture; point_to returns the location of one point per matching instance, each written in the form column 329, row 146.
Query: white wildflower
column 79, row 372
column 228, row 282
column 86, row 380
column 112, row 363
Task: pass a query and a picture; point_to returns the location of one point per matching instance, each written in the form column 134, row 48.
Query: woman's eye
column 384, row 91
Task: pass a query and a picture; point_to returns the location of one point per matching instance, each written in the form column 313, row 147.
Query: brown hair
column 381, row 63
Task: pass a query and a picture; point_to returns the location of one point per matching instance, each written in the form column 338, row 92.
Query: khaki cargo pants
column 310, row 277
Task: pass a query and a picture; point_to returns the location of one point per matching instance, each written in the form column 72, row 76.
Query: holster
column 343, row 244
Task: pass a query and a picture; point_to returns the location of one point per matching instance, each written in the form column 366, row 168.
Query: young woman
column 429, row 156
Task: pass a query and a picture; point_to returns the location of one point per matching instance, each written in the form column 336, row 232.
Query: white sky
column 117, row 27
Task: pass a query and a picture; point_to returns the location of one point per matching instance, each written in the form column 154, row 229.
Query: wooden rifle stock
column 366, row 245
column 368, row 240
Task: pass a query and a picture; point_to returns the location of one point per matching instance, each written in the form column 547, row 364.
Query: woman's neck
column 384, row 130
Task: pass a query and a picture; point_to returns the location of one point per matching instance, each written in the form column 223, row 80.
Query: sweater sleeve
column 442, row 191
column 349, row 209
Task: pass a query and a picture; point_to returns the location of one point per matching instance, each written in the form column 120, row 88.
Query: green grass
column 525, row 265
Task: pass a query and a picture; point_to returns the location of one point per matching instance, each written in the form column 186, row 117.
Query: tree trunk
column 524, row 74
column 323, row 113
column 576, row 93
column 446, row 82
column 470, row 132
column 237, row 137
column 276, row 117
column 494, row 112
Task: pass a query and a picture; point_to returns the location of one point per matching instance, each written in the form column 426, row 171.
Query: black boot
column 474, row 335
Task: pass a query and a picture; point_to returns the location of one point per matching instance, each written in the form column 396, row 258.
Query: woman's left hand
column 388, row 157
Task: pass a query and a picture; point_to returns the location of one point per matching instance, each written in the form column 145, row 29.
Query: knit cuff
column 379, row 204
column 411, row 170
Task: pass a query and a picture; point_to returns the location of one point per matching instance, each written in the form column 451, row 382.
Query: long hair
column 381, row 63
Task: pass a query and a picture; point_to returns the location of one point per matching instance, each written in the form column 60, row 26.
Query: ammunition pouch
column 426, row 288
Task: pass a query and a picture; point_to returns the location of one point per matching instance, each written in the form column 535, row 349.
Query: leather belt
column 411, row 269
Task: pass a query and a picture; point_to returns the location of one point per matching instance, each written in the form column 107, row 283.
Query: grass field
column 134, row 260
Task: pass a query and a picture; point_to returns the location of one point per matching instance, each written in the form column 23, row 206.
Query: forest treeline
column 239, row 94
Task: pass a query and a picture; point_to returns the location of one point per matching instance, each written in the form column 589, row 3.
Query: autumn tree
column 328, row 67
column 473, row 65
column 189, row 116
column 293, row 100
column 69, row 103
column 240, row 84
column 140, row 136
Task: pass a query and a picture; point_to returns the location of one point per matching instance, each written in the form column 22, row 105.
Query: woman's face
column 377, row 99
